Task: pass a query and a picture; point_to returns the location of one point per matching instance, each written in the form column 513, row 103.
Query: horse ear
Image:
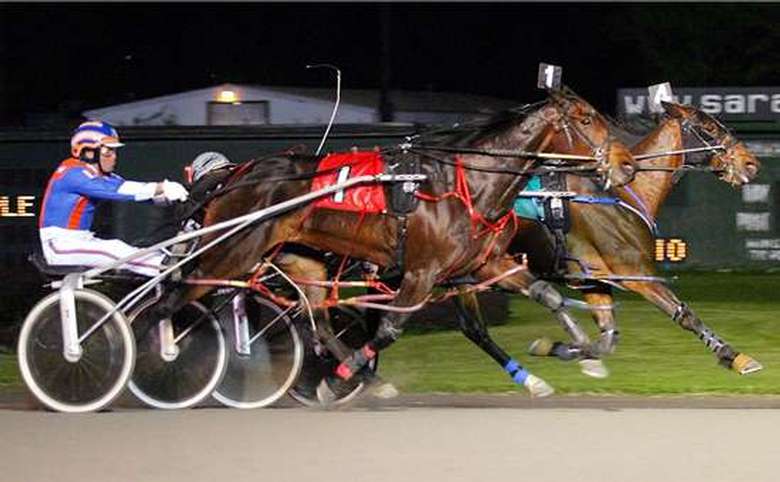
column 675, row 110
column 556, row 94
column 560, row 97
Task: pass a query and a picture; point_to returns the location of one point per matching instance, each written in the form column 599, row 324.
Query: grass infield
column 654, row 355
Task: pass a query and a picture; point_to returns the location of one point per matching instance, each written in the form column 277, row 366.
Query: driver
column 206, row 174
column 69, row 203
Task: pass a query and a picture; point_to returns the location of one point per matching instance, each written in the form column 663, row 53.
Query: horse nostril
column 629, row 169
column 751, row 170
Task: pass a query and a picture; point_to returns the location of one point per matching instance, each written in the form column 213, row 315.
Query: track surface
column 425, row 438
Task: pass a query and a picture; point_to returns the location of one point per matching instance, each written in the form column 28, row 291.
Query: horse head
column 577, row 118
column 732, row 162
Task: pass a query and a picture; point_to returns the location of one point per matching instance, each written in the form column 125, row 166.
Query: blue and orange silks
column 69, row 201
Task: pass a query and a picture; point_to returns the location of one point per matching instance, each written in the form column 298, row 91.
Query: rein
column 684, row 167
column 424, row 151
column 499, row 152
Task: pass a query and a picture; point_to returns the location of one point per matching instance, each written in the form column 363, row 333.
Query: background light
column 227, row 96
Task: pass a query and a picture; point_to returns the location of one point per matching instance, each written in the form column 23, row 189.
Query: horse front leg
column 473, row 325
column 302, row 267
column 667, row 301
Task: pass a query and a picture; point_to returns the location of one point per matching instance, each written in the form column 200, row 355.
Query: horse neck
column 649, row 189
column 490, row 191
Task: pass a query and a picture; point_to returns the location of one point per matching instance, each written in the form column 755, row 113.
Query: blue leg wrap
column 517, row 373
column 520, row 377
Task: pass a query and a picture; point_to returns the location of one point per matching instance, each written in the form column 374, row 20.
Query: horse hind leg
column 473, row 325
column 304, row 267
column 415, row 288
column 542, row 292
column 605, row 345
column 580, row 347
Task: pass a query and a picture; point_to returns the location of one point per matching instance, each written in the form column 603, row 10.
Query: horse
column 607, row 241
column 462, row 225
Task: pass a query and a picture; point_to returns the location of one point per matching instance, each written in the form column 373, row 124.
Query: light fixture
column 227, row 96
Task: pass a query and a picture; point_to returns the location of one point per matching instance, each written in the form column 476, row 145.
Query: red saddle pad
column 341, row 166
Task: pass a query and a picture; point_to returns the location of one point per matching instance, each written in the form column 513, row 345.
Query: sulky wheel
column 265, row 352
column 179, row 362
column 97, row 376
column 352, row 326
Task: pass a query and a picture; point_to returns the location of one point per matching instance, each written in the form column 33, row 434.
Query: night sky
column 71, row 57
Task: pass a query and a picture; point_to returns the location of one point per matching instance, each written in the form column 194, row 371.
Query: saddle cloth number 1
column 343, row 176
column 337, row 168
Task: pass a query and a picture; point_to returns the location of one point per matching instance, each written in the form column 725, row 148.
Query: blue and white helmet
column 207, row 162
column 93, row 135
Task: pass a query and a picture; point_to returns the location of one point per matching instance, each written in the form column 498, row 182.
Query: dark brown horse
column 445, row 236
column 618, row 243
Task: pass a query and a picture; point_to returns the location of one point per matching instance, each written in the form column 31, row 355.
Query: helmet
column 206, row 162
column 93, row 135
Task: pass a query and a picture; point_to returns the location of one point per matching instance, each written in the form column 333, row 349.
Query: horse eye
column 585, row 121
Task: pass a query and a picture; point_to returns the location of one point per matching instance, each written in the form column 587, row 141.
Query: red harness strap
column 463, row 193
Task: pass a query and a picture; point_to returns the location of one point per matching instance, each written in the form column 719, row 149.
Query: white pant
column 81, row 248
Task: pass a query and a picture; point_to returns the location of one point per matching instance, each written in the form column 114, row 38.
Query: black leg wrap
column 164, row 309
column 386, row 334
column 682, row 313
column 688, row 320
column 565, row 352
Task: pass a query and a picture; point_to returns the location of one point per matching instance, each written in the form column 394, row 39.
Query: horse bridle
column 600, row 152
column 721, row 146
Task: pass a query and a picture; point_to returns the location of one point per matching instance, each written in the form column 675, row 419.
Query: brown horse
column 614, row 242
column 445, row 236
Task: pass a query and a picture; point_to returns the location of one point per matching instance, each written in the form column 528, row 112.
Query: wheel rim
column 97, row 377
column 265, row 374
column 193, row 374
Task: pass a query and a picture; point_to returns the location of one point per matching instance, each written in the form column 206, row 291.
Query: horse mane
column 630, row 130
column 471, row 131
column 714, row 122
column 283, row 164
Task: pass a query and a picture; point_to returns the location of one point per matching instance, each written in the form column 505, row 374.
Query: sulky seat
column 46, row 269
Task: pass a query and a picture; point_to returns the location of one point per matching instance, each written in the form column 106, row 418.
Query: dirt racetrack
column 412, row 438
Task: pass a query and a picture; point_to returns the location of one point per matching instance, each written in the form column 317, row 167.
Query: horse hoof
column 745, row 364
column 384, row 390
column 541, row 347
column 593, row 367
column 537, row 387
